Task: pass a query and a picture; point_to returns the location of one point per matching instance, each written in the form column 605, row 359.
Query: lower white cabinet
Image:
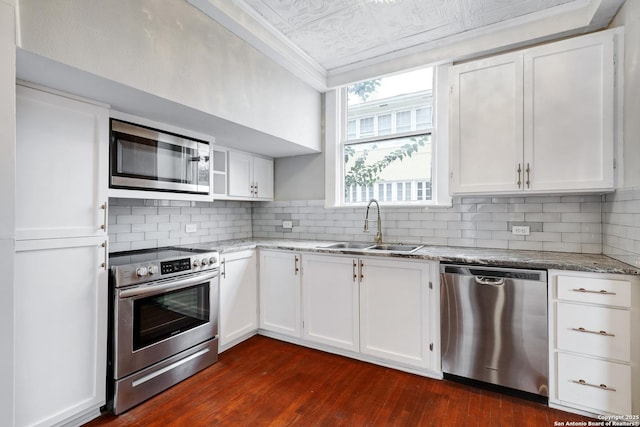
column 594, row 354
column 60, row 330
column 375, row 306
column 238, row 297
column 395, row 311
column 331, row 301
column 280, row 293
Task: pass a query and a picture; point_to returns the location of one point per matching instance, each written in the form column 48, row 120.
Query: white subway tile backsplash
column 581, row 223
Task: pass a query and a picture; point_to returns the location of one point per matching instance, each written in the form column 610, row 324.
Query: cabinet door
column 568, row 114
column 240, row 174
column 280, row 293
column 60, row 329
column 219, row 173
column 61, row 159
column 394, row 311
column 486, row 125
column 238, row 297
column 263, row 177
column 330, row 300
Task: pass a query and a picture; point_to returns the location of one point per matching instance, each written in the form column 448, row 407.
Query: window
column 381, row 141
column 403, row 121
column 384, row 124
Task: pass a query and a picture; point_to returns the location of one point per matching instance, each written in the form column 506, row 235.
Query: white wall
column 7, row 198
column 172, row 50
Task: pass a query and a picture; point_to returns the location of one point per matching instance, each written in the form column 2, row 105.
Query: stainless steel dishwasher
column 494, row 326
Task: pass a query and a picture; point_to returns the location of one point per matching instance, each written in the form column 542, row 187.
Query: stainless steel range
column 164, row 320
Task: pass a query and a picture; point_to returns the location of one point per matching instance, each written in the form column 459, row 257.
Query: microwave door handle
column 173, row 285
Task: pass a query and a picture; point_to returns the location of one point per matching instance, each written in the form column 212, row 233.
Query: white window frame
column 335, row 133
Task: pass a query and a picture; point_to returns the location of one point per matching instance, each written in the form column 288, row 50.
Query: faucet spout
column 378, row 238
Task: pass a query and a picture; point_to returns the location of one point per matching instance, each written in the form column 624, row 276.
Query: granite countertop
column 478, row 256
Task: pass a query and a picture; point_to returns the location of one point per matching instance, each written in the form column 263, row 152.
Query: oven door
column 160, row 319
column 149, row 160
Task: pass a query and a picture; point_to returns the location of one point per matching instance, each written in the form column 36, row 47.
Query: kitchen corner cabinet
column 280, row 307
column 539, row 120
column 61, row 258
column 594, row 357
column 249, row 176
column 238, row 297
column 377, row 307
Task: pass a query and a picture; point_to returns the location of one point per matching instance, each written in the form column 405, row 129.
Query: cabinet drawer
column 594, row 291
column 582, row 381
column 597, row 331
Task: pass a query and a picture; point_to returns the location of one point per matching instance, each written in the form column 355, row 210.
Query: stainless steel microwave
column 142, row 158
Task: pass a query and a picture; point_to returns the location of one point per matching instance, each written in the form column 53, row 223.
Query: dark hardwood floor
column 265, row 382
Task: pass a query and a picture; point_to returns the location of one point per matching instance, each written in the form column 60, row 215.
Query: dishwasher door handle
column 495, row 281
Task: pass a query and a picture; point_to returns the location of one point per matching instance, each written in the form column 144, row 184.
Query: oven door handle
column 172, row 285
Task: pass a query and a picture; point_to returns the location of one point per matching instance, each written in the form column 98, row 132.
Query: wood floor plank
column 265, row 382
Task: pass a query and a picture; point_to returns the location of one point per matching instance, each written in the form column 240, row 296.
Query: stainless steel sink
column 395, row 248
column 347, row 245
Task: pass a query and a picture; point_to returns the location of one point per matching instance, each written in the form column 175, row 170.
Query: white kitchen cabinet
column 375, row 306
column 280, row 305
column 331, row 300
column 60, row 330
column 219, row 173
column 593, row 355
column 539, row 120
column 61, row 258
column 249, row 176
column 395, row 311
column 62, row 159
column 486, row 125
column 238, row 297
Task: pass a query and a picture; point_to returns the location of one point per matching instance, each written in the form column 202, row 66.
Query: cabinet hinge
column 450, row 89
column 615, row 163
column 431, row 347
column 430, row 285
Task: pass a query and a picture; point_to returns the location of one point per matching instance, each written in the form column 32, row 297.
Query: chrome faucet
column 378, row 238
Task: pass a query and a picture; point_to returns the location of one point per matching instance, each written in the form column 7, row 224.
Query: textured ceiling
column 336, row 33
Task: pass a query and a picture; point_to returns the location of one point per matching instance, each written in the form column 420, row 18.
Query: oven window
column 162, row 316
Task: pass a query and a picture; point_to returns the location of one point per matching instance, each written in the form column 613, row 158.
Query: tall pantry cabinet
column 61, row 258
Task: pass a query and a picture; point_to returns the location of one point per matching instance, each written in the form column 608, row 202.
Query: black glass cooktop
column 153, row 254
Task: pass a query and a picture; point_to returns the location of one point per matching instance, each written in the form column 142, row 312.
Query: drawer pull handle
column 600, row 386
column 601, row 292
column 587, row 331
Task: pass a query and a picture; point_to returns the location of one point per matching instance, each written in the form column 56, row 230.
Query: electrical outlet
column 191, row 228
column 520, row 230
column 287, row 224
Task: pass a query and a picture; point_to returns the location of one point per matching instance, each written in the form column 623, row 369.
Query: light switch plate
column 191, row 228
column 287, row 224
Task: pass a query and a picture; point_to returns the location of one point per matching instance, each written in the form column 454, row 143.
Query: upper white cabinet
column 238, row 297
column 539, row 120
column 62, row 157
column 249, row 176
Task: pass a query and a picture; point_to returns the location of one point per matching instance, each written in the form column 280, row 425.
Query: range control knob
column 196, row 262
column 205, row 261
column 213, row 260
column 152, row 269
column 142, row 271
